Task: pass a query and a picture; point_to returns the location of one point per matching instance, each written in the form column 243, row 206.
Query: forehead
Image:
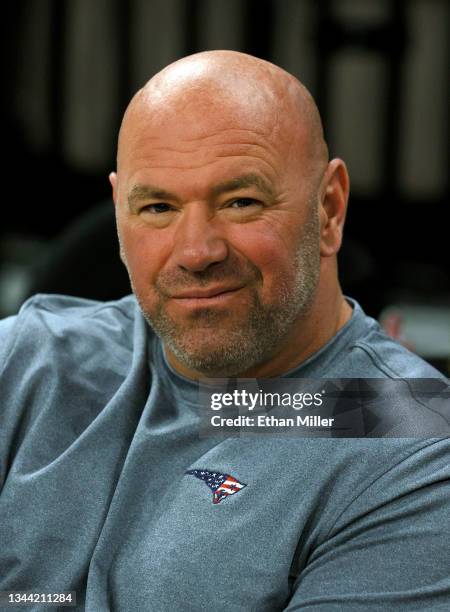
column 213, row 141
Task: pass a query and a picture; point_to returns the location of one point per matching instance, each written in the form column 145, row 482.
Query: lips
column 202, row 293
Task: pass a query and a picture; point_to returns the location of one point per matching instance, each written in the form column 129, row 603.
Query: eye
column 156, row 209
column 243, row 203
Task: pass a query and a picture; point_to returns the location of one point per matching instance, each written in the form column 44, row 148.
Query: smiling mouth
column 205, row 296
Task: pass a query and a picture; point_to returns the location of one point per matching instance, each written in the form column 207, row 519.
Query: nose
column 198, row 240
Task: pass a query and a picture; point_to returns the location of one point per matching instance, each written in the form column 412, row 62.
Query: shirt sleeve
column 390, row 548
column 13, row 361
column 7, row 327
column 11, row 329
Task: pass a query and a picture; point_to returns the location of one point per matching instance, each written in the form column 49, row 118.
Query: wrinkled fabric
column 97, row 434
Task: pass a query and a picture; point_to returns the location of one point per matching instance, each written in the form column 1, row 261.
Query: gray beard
column 232, row 351
column 257, row 337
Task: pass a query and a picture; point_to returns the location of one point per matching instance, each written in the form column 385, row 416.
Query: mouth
column 205, row 297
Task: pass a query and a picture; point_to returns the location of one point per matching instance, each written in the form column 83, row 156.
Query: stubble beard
column 214, row 346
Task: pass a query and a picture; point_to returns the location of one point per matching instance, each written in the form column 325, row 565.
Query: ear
column 333, row 207
column 113, row 181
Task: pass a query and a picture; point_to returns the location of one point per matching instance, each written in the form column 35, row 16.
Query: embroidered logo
column 222, row 485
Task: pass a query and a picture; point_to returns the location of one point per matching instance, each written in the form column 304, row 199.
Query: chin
column 215, row 356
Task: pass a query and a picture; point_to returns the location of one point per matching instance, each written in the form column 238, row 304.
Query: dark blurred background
column 377, row 68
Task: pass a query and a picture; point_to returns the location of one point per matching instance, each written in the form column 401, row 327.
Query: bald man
column 229, row 218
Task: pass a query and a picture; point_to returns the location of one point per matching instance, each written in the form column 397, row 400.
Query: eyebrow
column 145, row 192
column 241, row 182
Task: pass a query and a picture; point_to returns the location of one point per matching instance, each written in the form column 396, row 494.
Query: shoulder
column 69, row 306
column 375, row 354
column 391, row 359
column 46, row 321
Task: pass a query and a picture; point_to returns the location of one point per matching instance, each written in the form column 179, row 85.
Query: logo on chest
column 221, row 485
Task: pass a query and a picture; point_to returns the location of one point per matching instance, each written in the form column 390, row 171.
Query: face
column 219, row 231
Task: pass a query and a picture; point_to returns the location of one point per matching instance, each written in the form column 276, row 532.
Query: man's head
column 229, row 213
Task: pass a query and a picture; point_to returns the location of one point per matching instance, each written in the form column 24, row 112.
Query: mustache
column 177, row 279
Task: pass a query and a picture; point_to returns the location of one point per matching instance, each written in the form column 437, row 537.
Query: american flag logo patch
column 221, row 485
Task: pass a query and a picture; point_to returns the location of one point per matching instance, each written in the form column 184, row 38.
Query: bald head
column 235, row 88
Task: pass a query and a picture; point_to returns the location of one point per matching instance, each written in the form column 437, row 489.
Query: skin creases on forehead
column 214, row 141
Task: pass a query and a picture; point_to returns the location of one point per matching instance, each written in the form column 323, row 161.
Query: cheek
column 143, row 254
column 271, row 254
